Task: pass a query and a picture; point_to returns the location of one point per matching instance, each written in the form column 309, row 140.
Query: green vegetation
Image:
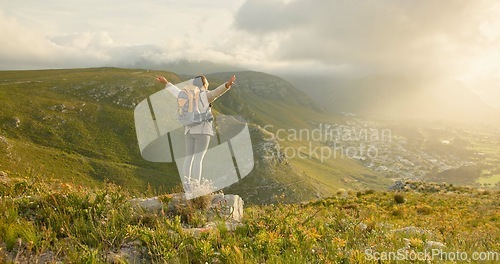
column 54, row 221
column 399, row 198
column 69, row 165
column 77, row 126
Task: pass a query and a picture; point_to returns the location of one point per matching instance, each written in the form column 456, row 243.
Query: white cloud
column 457, row 38
column 26, row 48
column 63, row 34
column 84, row 40
column 428, row 41
column 20, row 45
column 369, row 35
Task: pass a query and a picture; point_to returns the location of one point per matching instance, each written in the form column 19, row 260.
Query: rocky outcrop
column 215, row 207
column 427, row 187
column 268, row 148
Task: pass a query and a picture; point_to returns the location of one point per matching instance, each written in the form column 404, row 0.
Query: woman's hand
column 161, row 79
column 230, row 82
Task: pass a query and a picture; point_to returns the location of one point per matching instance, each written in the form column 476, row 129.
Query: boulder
column 398, row 186
column 227, row 207
column 434, row 244
column 148, row 204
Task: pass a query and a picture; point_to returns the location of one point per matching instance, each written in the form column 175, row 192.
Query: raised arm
column 215, row 93
column 170, row 87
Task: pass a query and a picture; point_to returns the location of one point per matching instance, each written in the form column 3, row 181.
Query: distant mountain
column 399, row 97
column 77, row 126
column 183, row 66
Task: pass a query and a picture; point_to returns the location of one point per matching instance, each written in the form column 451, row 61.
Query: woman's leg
column 188, row 159
column 201, row 143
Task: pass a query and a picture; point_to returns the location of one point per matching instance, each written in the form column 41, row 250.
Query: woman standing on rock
column 198, row 135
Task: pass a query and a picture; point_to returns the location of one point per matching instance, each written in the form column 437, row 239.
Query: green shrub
column 370, row 191
column 485, row 192
column 424, row 209
column 399, row 198
column 398, row 212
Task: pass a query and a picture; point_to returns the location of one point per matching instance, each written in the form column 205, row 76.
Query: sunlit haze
column 448, row 40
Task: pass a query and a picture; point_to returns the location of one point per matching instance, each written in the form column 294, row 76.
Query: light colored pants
column 196, row 148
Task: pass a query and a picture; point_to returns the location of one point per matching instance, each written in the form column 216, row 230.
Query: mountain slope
column 277, row 106
column 77, row 125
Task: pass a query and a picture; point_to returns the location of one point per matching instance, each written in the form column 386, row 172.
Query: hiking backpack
column 190, row 106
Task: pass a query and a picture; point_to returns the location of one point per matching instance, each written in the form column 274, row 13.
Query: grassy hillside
column 276, row 105
column 47, row 221
column 77, row 126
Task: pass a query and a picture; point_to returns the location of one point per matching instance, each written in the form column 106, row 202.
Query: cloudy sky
column 453, row 39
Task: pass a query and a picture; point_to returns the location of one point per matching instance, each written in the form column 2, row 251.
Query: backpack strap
column 182, row 101
column 203, row 98
column 196, row 99
column 190, row 99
